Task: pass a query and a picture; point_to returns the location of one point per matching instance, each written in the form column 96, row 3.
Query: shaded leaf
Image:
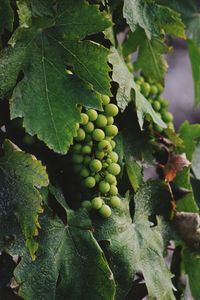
column 124, row 78
column 68, row 258
column 6, row 16
column 20, row 201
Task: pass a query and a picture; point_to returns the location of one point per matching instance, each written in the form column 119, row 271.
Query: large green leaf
column 133, row 247
column 191, row 263
column 124, row 78
column 21, row 175
column 47, row 97
column 70, row 263
column 6, row 16
column 153, row 18
column 190, row 134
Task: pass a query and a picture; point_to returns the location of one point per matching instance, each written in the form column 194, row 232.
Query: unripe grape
column 140, row 79
column 86, row 160
column 111, row 110
column 89, row 182
column 110, row 120
column 115, row 202
column 98, row 135
column 80, row 135
column 84, row 119
column 170, row 125
column 114, row 156
column 86, row 149
column 104, row 146
column 90, row 143
column 110, row 178
column 84, row 172
column 77, row 148
column 105, row 99
column 158, row 128
column 113, row 144
column 101, row 121
column 113, row 190
column 163, row 102
column 104, row 164
column 99, row 154
column 77, row 158
column 109, row 161
column 104, row 187
column 95, row 165
column 111, row 130
column 97, row 203
column 114, row 169
column 92, row 114
column 151, row 101
column 97, row 177
column 160, row 88
column 87, row 204
column 145, row 89
column 77, row 126
column 89, row 127
column 153, row 90
column 156, row 105
column 167, row 117
column 105, row 211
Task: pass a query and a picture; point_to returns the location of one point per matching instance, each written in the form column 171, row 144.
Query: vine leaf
column 124, row 78
column 190, row 134
column 21, row 178
column 47, row 97
column 153, row 18
column 133, row 247
column 68, row 258
column 6, row 16
column 194, row 53
column 175, row 164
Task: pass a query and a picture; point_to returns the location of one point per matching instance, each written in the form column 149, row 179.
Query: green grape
column 92, row 114
column 109, row 161
column 80, row 135
column 89, row 182
column 113, row 144
column 150, row 100
column 95, row 165
column 156, row 105
column 138, row 86
column 114, row 156
column 77, row 126
column 153, row 90
column 86, row 160
column 84, row 119
column 87, row 204
column 97, row 177
column 77, row 148
column 113, row 190
column 110, row 178
column 104, row 146
column 105, row 99
column 104, row 187
column 110, row 120
column 89, row 127
column 77, row 158
column 140, row 79
column 158, row 128
column 98, row 135
column 160, row 88
column 97, row 203
column 114, row 169
column 115, row 202
column 77, row 169
column 111, row 130
column 170, row 125
column 86, row 149
column 105, row 211
column 90, row 143
column 145, row 89
column 111, row 110
column 84, row 172
column 99, row 154
column 101, row 121
column 163, row 102
column 104, row 164
column 167, row 117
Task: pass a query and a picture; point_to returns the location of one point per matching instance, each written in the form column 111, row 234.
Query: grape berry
column 94, row 158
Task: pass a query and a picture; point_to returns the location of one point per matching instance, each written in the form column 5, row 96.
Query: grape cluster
column 152, row 91
column 94, row 158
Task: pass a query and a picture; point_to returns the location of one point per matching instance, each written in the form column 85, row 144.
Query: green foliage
column 89, row 119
